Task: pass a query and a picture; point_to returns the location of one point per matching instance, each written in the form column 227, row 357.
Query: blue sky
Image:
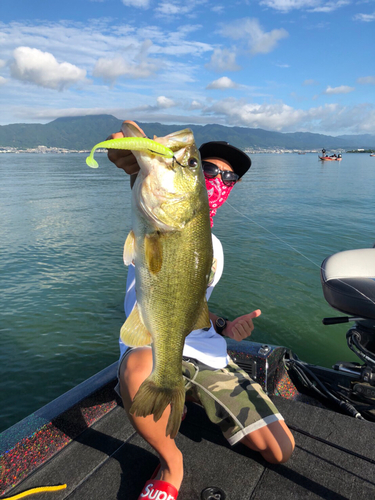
column 282, row 65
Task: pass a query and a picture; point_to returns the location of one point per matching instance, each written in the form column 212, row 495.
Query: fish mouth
column 179, row 142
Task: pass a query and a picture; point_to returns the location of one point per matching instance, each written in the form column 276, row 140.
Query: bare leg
column 135, row 368
column 275, row 442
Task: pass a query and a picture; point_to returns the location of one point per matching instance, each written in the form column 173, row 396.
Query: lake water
column 63, row 226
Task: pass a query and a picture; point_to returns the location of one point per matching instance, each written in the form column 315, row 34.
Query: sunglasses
column 211, row 170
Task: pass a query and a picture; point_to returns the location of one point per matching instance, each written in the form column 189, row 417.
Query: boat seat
column 348, row 281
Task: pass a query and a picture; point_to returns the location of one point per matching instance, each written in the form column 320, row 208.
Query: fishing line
column 297, row 251
column 275, row 235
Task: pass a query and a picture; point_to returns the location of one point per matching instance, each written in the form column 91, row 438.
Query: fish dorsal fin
column 203, row 320
column 133, row 332
column 129, row 249
column 153, row 252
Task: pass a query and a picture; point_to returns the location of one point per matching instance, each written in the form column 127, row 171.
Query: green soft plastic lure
column 130, row 143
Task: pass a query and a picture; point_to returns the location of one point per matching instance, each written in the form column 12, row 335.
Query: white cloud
column 33, row 113
column 287, row 5
column 367, row 18
column 79, row 43
column 332, row 119
column 310, row 5
column 164, row 102
column 250, row 30
column 42, row 69
column 2, row 80
column 174, row 9
column 310, row 82
column 139, row 67
column 268, row 116
column 366, row 80
column 171, row 9
column 222, row 83
column 223, row 60
column 141, row 4
column 330, row 6
column 195, row 105
column 84, row 44
column 329, row 119
column 2, row 63
column 49, row 114
column 342, row 89
column 111, row 69
column 348, row 119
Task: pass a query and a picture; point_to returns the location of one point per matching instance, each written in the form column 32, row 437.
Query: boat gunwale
column 21, row 452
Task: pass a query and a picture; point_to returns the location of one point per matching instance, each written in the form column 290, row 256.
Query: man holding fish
column 174, row 263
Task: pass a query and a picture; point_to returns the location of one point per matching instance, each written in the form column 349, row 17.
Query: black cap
column 239, row 161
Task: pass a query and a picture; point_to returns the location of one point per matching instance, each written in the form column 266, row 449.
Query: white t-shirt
column 206, row 346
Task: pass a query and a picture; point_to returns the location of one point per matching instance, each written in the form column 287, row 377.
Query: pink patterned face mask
column 218, row 193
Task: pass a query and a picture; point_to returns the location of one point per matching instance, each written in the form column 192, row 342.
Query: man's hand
column 124, row 158
column 241, row 327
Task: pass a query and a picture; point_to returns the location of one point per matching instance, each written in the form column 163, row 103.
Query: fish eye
column 193, row 162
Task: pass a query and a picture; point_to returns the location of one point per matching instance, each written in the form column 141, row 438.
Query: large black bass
column 170, row 245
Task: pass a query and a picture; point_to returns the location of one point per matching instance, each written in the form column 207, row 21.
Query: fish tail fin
column 152, row 399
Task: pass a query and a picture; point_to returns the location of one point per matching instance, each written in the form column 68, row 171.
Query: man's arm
column 240, row 328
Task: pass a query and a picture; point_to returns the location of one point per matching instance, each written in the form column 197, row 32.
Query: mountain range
column 83, row 132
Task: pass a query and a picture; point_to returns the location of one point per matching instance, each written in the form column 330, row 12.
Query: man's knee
column 281, row 451
column 275, row 442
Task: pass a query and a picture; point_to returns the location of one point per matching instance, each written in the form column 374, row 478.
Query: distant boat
column 372, row 155
column 331, row 158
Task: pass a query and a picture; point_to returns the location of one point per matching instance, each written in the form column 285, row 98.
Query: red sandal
column 155, row 489
column 158, row 490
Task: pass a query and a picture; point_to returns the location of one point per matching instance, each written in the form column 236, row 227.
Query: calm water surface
column 63, row 226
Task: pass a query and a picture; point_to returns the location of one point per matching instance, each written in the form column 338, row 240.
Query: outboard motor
column 348, row 281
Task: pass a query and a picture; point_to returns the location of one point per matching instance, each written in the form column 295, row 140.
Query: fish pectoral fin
column 129, row 249
column 153, row 252
column 133, row 332
column 203, row 320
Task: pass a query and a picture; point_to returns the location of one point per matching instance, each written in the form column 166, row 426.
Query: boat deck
column 334, row 457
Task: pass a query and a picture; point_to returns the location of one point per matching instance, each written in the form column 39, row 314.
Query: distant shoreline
column 55, row 150
column 45, row 150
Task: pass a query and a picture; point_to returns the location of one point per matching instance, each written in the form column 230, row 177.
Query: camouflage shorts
column 230, row 397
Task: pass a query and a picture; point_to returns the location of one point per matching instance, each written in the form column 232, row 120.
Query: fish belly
column 172, row 272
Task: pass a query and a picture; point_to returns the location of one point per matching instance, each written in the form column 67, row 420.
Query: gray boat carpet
column 109, row 461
